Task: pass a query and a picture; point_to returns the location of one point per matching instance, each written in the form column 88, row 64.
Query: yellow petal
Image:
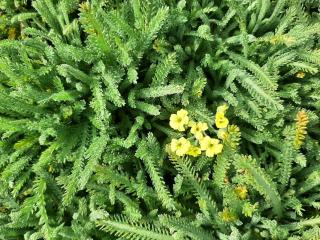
column 182, row 113
column 173, row 121
column 173, row 145
column 218, row 148
column 183, row 146
column 221, row 121
column 213, row 147
column 209, row 152
column 176, row 122
column 204, row 143
column 198, row 135
column 203, row 126
column 196, row 130
column 194, row 151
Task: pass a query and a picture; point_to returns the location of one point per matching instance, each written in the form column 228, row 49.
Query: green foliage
column 86, row 93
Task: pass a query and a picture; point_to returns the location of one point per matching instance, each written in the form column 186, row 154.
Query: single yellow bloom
column 300, row 75
column 222, row 109
column 180, row 146
column 182, row 113
column 198, row 128
column 194, row 151
column 241, row 192
column 178, row 120
column 211, row 146
column 221, row 121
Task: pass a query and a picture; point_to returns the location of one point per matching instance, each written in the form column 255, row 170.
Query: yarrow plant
column 111, row 125
column 197, row 139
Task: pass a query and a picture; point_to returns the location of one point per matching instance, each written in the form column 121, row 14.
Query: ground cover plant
column 160, row 119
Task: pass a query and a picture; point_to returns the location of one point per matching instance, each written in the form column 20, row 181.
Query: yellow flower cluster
column 198, row 141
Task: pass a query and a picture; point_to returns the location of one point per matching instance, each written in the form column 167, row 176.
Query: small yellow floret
column 178, row 120
column 180, row 146
column 197, row 129
column 241, row 192
column 211, row 146
column 300, row 75
column 221, row 121
column 194, row 151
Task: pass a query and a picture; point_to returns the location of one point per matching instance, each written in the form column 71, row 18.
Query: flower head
column 194, row 151
column 197, row 129
column 221, row 121
column 180, row 146
column 178, row 120
column 211, row 146
column 241, row 192
column 300, row 75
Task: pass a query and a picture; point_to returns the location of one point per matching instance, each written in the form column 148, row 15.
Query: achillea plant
column 159, row 119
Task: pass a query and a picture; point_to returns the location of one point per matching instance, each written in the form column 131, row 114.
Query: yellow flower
column 221, row 121
column 300, row 75
column 222, row 109
column 228, row 216
column 197, row 129
column 180, row 146
column 241, row 192
column 194, row 151
column 211, row 146
column 178, row 120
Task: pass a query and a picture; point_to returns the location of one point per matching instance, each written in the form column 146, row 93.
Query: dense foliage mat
column 160, row 119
